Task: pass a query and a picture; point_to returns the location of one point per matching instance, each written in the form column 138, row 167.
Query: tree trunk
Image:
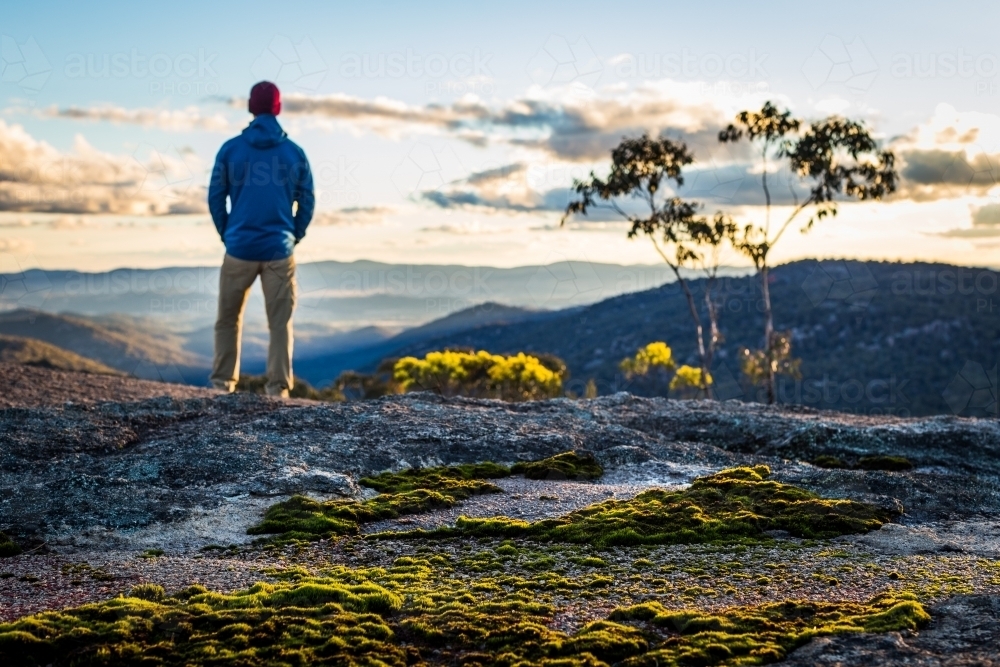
column 699, row 330
column 713, row 334
column 772, row 388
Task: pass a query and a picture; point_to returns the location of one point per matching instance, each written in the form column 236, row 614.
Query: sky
column 452, row 132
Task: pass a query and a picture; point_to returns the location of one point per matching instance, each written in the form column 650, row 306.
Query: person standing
column 268, row 182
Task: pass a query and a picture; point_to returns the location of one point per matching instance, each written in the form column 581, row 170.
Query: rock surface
column 34, row 386
column 77, row 472
column 96, row 463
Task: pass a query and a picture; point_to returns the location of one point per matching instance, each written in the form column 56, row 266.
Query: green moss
column 407, row 492
column 8, row 547
column 426, row 609
column 301, row 518
column 892, row 463
column 731, row 505
column 296, row 623
column 880, row 462
column 759, row 635
column 151, row 592
column 151, row 553
column 580, row 466
column 826, row 461
column 434, row 479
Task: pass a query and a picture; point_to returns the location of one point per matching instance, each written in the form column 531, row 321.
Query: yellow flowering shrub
column 689, row 377
column 521, row 377
column 655, row 355
column 658, row 356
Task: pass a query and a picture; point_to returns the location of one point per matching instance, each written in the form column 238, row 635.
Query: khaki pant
column 235, row 279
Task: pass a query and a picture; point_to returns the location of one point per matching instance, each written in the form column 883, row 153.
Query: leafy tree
column 520, row 377
column 762, row 365
column 834, row 157
column 642, row 169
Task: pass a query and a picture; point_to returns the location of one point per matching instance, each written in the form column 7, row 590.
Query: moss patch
column 301, row 518
column 435, row 479
column 8, row 547
column 734, row 504
column 408, row 492
column 421, row 610
column 568, row 465
column 300, row 623
column 759, row 635
column 827, row 461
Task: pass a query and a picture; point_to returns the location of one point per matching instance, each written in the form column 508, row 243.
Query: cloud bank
column 35, row 177
column 175, row 120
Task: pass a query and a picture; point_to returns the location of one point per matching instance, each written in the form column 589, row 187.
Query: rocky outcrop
column 78, row 468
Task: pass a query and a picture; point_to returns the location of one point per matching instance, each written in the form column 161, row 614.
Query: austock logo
column 973, row 390
column 425, row 169
column 23, row 64
column 835, row 62
column 561, row 62
column 849, row 282
column 560, row 280
column 288, row 63
column 21, row 287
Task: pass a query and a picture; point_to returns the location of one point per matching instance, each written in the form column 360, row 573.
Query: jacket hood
column 264, row 132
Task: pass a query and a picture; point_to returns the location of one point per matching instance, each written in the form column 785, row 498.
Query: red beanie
column 265, row 98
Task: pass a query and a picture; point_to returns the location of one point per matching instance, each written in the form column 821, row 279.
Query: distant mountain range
column 323, row 367
column 342, row 305
column 873, row 337
column 337, row 295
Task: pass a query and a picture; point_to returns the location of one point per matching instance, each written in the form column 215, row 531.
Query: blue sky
column 404, row 112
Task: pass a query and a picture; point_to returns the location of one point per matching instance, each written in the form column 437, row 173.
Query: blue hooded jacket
column 263, row 173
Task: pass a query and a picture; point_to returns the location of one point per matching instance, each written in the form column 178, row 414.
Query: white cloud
column 39, row 178
column 176, row 120
column 953, row 154
column 351, row 216
column 17, row 246
column 567, row 127
column 468, row 228
column 985, row 223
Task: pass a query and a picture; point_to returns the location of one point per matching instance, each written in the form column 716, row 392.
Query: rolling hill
column 121, row 343
column 342, row 295
column 874, row 337
column 367, row 352
column 32, row 352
